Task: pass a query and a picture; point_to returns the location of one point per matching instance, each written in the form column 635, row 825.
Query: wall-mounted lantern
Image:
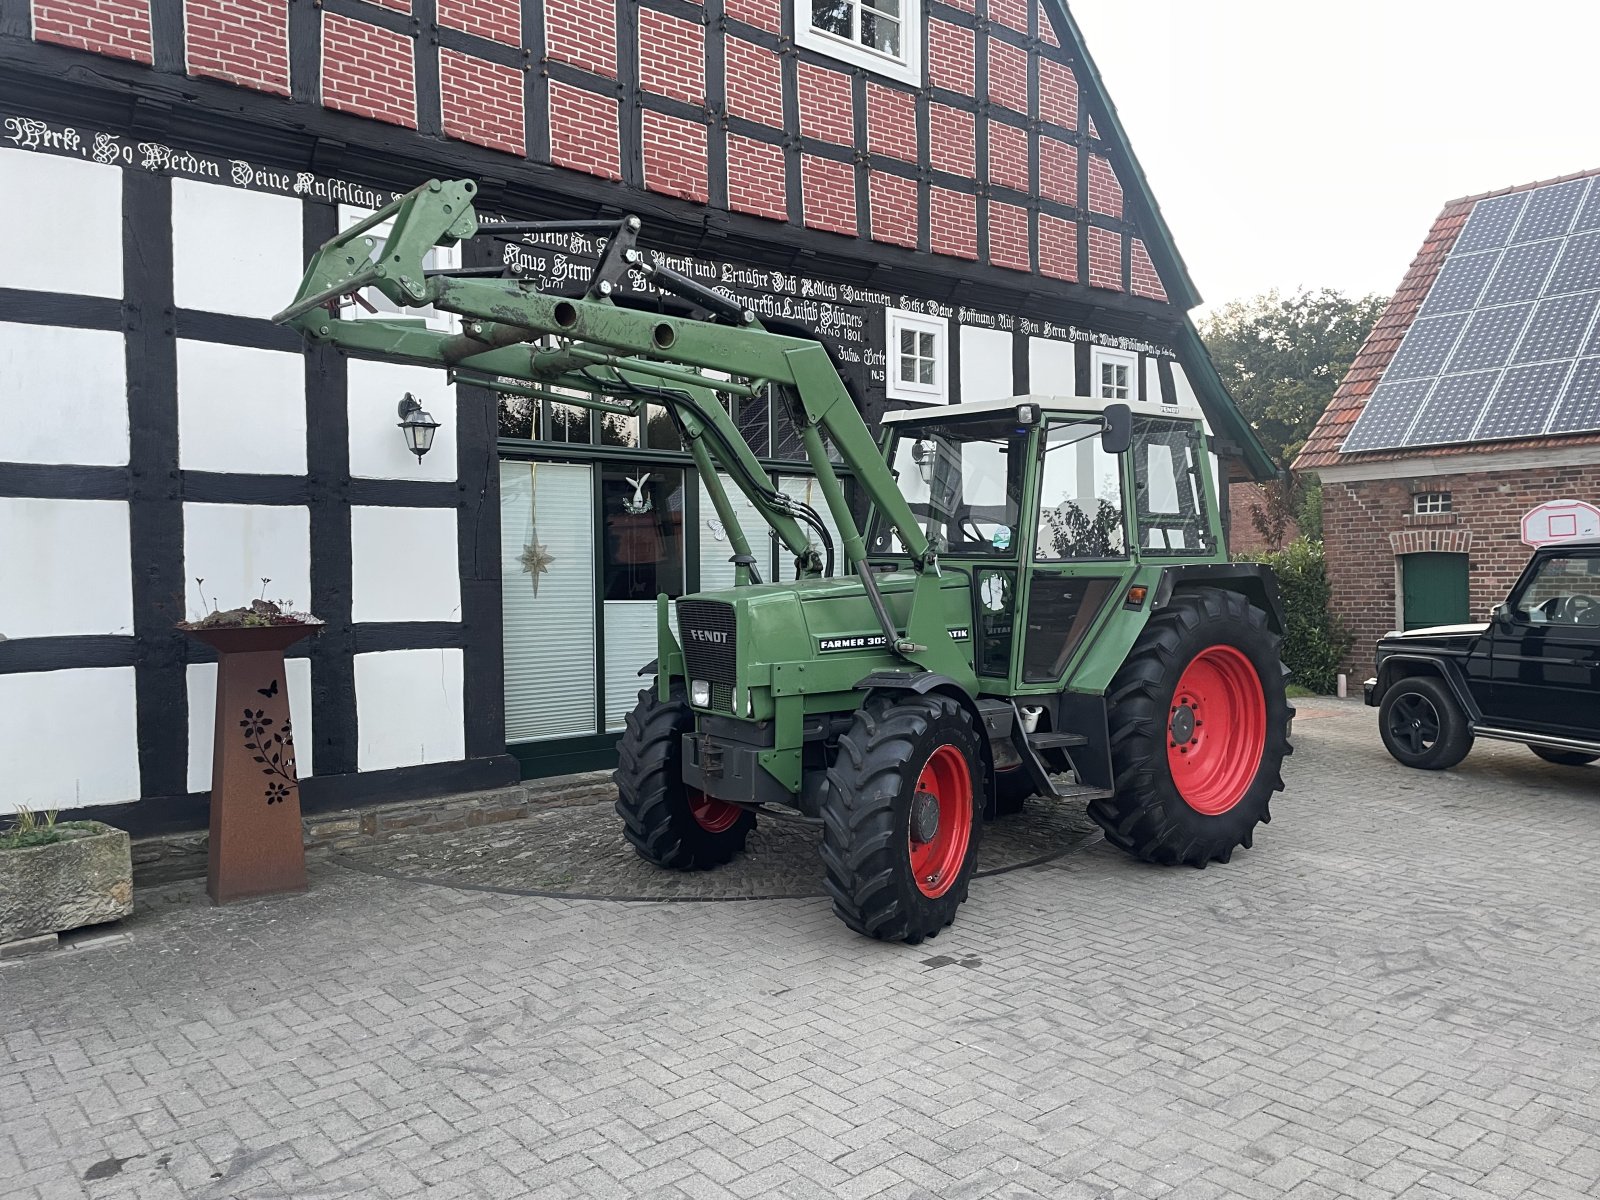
column 417, row 424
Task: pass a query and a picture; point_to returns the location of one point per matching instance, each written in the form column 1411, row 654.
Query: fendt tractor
column 1040, row 585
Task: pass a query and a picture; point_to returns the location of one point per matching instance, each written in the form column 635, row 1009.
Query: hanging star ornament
column 536, row 560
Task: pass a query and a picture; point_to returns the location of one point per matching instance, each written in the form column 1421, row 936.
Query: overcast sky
column 1309, row 142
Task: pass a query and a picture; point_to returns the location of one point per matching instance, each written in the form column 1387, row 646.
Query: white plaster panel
column 408, row 708
column 68, row 738
column 82, row 201
column 234, row 251
column 1152, row 380
column 234, row 546
column 985, row 365
column 241, row 409
column 403, row 564
column 64, row 393
column 65, row 568
column 377, row 447
column 202, row 683
column 1052, row 367
column 1182, row 388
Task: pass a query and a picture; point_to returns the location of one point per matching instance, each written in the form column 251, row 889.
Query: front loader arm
column 517, row 339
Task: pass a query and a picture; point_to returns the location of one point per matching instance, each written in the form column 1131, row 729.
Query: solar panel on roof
column 1452, row 410
column 1507, row 341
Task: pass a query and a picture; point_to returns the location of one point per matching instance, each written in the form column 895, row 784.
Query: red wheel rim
column 944, row 788
column 711, row 814
column 1216, row 730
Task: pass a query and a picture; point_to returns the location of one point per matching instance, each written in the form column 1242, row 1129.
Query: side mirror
column 1500, row 612
column 1116, row 435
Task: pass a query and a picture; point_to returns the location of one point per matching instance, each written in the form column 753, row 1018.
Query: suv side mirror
column 1500, row 612
column 1116, row 435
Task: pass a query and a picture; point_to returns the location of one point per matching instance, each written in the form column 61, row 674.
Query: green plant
column 29, row 828
column 1315, row 642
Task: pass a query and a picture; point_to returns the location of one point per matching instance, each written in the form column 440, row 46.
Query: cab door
column 1079, row 546
column 1545, row 649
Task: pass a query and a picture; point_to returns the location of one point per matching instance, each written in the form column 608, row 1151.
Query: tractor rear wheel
column 901, row 816
column 1199, row 731
column 669, row 823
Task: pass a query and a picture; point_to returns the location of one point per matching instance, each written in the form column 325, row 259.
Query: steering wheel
column 1581, row 609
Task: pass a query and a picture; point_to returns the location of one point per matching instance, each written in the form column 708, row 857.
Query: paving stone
column 1390, row 995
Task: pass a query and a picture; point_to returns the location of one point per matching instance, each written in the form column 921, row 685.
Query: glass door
column 642, row 511
column 547, row 595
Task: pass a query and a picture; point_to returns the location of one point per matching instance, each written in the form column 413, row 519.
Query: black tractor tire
column 870, row 799
column 1422, row 724
column 1564, row 758
column 658, row 818
column 1149, row 814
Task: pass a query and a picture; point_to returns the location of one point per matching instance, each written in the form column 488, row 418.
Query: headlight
column 700, row 693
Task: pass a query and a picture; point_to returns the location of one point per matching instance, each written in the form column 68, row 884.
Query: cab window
column 963, row 482
column 1169, row 490
column 1565, row 591
column 1080, row 497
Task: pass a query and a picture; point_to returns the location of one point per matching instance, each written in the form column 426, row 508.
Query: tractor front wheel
column 669, row 823
column 902, row 815
column 1199, row 730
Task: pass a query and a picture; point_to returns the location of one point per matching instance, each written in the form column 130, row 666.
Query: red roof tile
column 1322, row 447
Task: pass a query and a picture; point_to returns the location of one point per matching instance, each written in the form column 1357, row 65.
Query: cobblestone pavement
column 581, row 852
column 1393, row 995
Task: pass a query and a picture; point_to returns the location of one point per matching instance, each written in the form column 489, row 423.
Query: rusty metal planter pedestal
column 257, row 845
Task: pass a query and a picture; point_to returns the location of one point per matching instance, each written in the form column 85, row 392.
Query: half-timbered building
column 942, row 191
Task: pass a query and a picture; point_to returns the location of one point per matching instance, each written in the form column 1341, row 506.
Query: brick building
column 945, row 176
column 1475, row 400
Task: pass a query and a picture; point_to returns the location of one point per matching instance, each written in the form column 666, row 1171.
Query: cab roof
column 1047, row 404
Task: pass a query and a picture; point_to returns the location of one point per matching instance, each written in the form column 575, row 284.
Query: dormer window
column 883, row 36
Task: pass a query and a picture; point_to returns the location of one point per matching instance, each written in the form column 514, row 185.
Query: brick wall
column 829, row 190
column 988, row 149
column 1364, row 523
column 367, row 71
column 1008, row 156
column 754, row 82
column 117, row 28
column 951, row 146
column 672, row 57
column 674, row 156
column 497, row 20
column 756, row 175
column 241, row 41
column 1243, row 537
column 481, row 102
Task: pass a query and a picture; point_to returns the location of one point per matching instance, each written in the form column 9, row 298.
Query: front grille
column 722, row 696
column 710, row 643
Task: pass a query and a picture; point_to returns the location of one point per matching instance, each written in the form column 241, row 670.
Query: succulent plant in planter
column 60, row 875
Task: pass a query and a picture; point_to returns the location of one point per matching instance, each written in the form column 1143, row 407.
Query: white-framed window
column 439, row 258
column 917, row 357
column 1114, row 374
column 884, row 36
column 1424, row 503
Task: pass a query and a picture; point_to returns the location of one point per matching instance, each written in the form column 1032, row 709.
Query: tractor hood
column 814, row 635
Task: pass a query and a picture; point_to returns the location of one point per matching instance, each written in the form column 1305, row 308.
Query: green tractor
column 1040, row 586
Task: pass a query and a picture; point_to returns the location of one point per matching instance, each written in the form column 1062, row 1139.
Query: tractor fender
column 1395, row 667
column 923, row 682
column 1254, row 581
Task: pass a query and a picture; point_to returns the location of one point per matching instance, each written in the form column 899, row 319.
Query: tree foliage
column 1282, row 358
column 1314, row 640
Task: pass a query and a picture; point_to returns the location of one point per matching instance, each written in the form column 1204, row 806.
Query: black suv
column 1532, row 675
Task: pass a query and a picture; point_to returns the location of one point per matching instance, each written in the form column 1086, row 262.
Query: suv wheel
column 1422, row 725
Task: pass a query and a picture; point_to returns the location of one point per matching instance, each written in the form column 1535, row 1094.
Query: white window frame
column 1102, row 357
column 1427, row 504
column 938, row 392
column 907, row 68
column 440, row 257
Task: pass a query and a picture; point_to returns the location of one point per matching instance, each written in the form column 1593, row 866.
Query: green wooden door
column 1435, row 588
